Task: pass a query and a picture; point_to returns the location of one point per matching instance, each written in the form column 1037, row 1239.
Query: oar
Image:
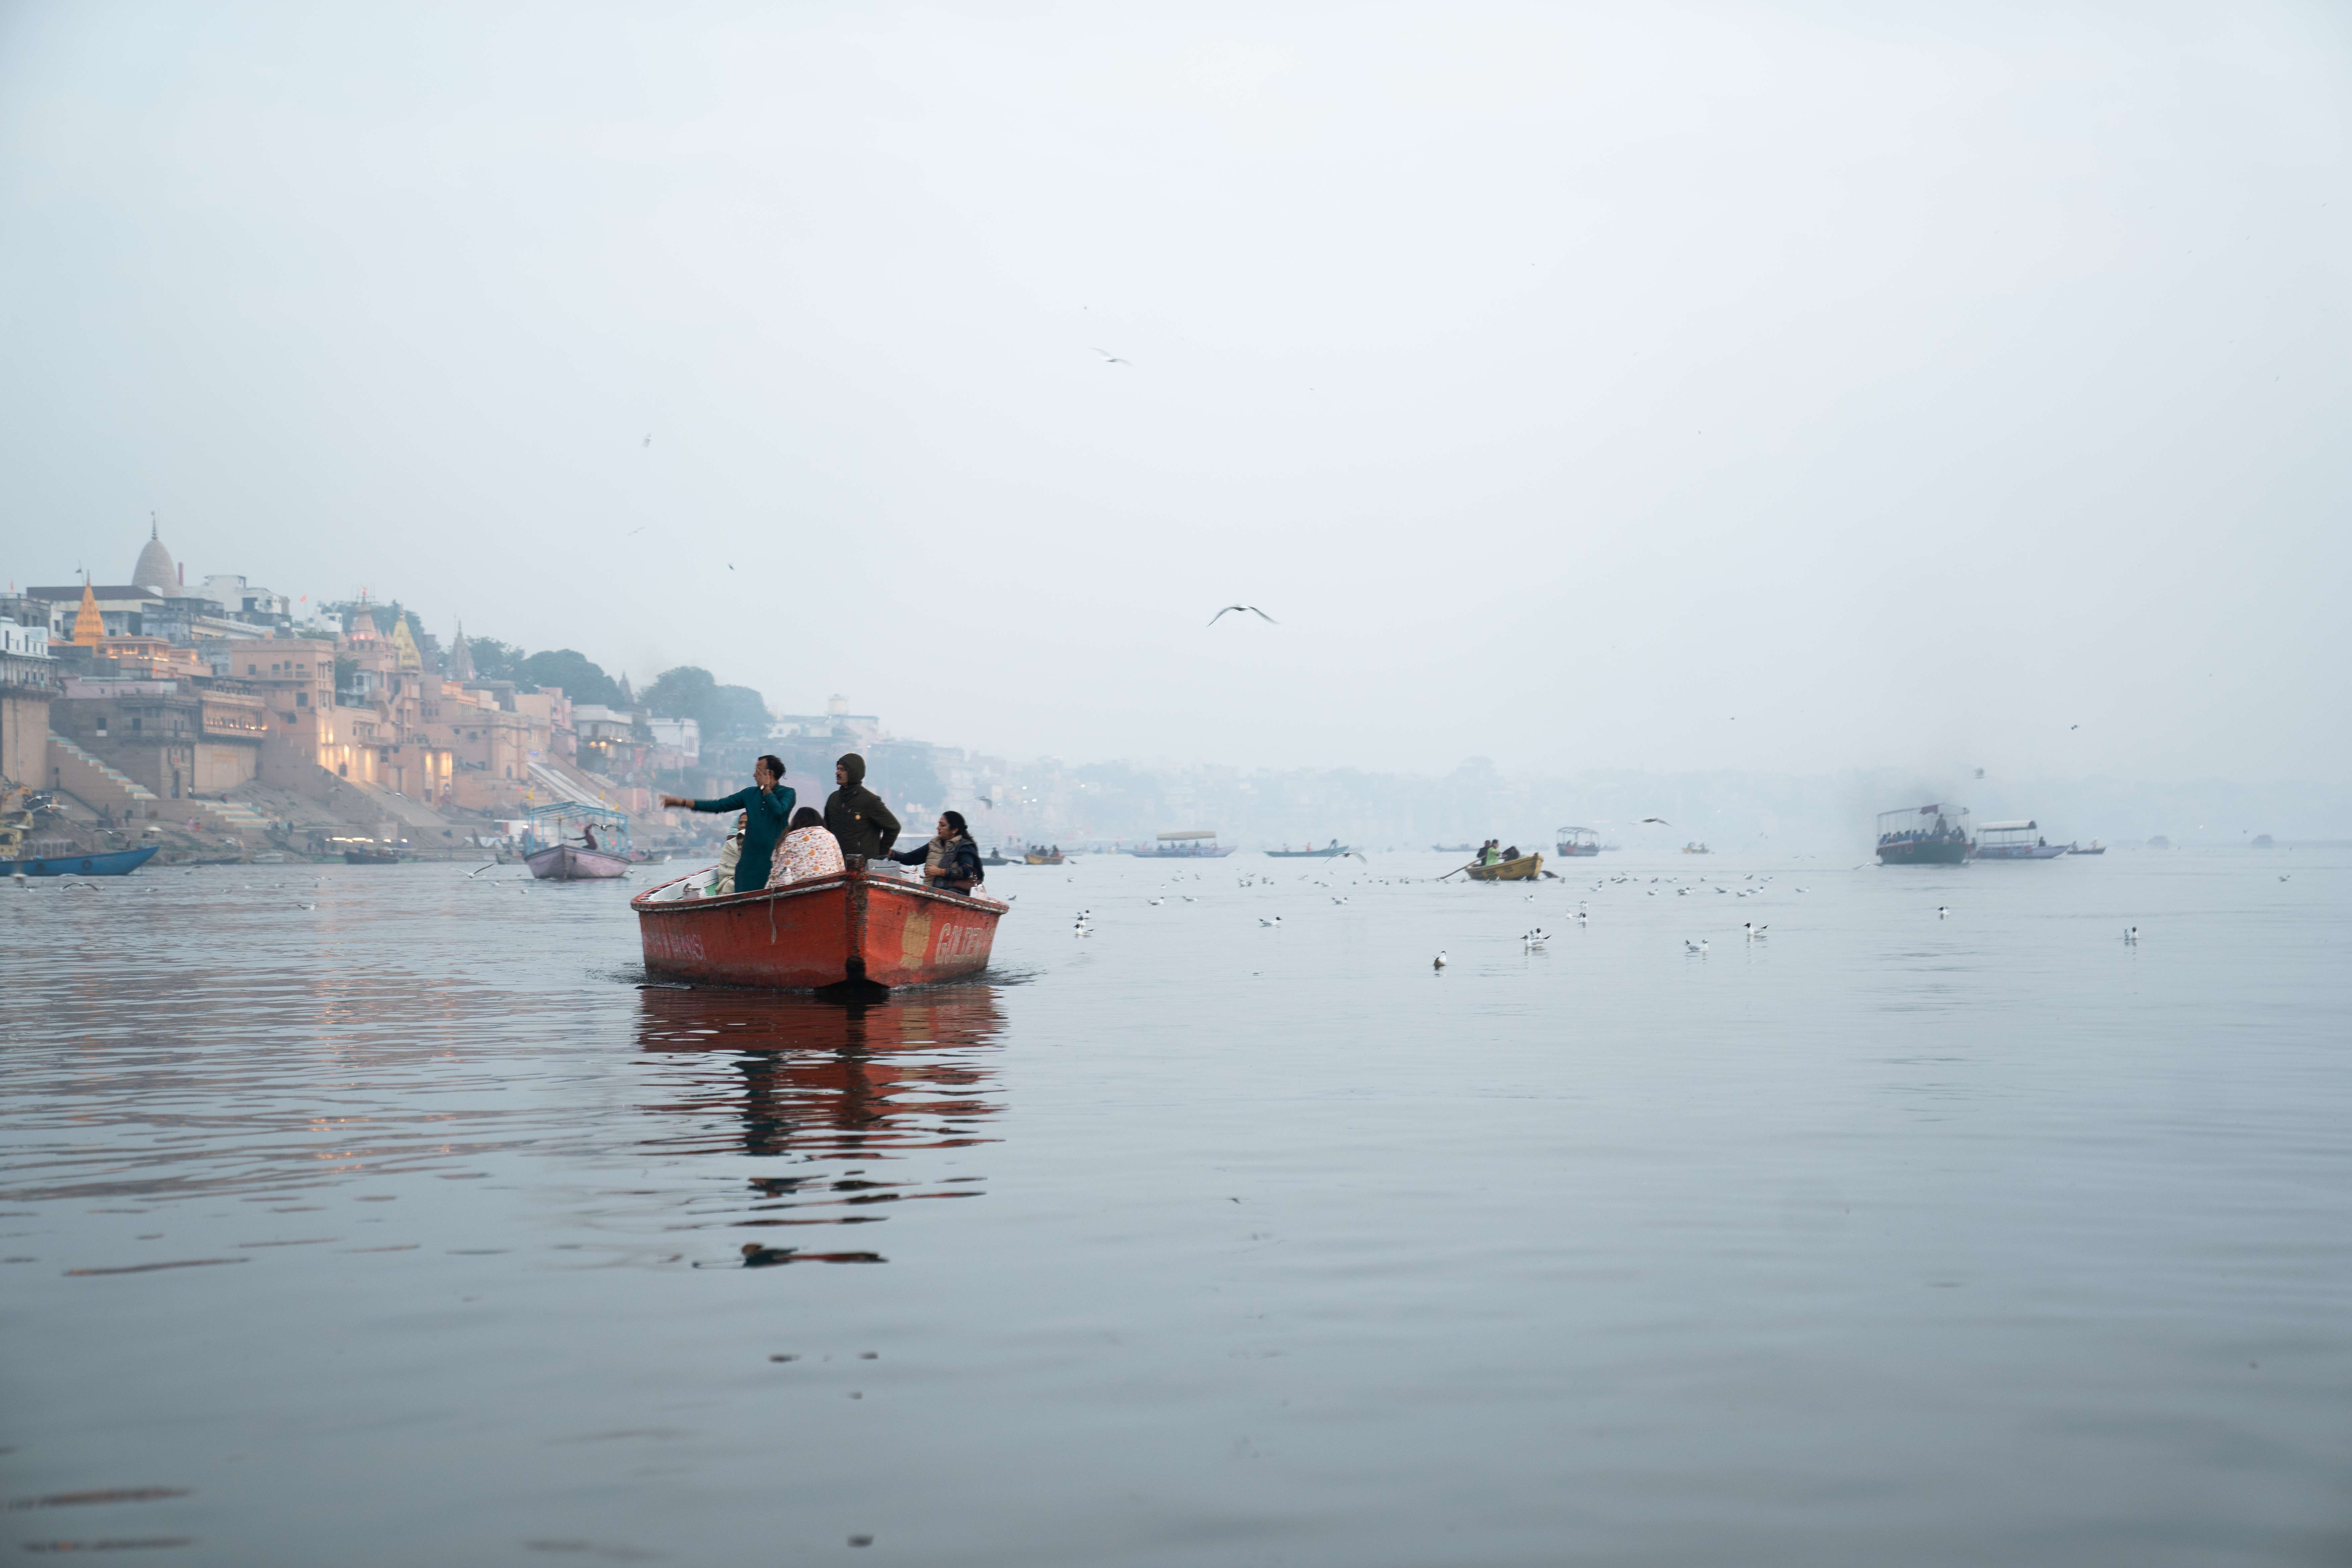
column 1457, row 870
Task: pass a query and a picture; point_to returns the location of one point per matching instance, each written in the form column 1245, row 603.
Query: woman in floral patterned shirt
column 810, row 849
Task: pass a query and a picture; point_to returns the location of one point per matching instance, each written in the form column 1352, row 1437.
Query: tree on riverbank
column 572, row 671
column 722, row 712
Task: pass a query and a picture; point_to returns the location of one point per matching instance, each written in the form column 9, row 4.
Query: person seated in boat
column 1510, row 854
column 1486, row 853
column 949, row 859
column 588, row 835
column 810, row 849
column 855, row 815
column 767, row 808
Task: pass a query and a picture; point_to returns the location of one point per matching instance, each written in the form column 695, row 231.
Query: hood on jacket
column 854, row 765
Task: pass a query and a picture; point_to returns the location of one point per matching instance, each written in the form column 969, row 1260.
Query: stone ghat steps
column 93, row 783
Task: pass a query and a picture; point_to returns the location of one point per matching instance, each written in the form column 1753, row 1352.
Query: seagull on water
column 1536, row 937
column 1439, row 962
column 1155, row 903
column 1274, row 921
column 1253, row 609
column 1697, row 948
column 1755, row 932
column 2131, row 936
column 1941, row 911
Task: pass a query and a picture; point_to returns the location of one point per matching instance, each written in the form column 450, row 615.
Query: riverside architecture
column 211, row 713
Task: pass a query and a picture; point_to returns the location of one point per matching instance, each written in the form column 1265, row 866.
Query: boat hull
column 1331, row 854
column 1525, row 868
column 1207, row 852
column 2020, row 852
column 571, row 863
column 850, row 927
column 1572, row 850
column 1930, row 852
column 113, row 863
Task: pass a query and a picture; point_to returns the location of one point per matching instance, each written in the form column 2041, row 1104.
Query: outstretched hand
column 675, row 800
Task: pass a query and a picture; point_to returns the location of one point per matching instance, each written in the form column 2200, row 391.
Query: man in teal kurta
column 767, row 808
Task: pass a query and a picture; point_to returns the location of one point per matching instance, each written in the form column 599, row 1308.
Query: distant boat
column 2093, row 847
column 1190, row 844
column 1456, row 848
column 1042, row 858
column 371, row 857
column 2013, row 841
column 574, row 863
column 1576, row 841
column 111, row 863
column 1931, row 834
column 1695, row 848
column 552, row 856
column 1330, row 851
column 1526, row 868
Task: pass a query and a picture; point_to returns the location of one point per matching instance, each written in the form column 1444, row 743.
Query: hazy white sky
column 1776, row 386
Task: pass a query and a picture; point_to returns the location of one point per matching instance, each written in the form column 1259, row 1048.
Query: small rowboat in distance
column 854, row 926
column 571, row 863
column 1526, row 867
column 113, row 863
column 1330, row 851
column 552, row 856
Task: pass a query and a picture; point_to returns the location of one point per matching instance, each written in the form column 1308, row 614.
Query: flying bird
column 1253, row 609
column 1110, row 358
column 1659, row 820
column 649, row 440
column 637, row 531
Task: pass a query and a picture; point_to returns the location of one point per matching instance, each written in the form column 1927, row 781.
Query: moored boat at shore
column 1931, row 834
column 854, row 926
column 106, row 863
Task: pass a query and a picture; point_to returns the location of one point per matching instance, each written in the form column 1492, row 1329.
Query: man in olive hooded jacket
column 855, row 815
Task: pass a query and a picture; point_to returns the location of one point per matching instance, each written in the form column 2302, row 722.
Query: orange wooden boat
column 854, row 926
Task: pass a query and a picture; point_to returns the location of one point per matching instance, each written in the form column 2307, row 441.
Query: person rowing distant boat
column 767, row 808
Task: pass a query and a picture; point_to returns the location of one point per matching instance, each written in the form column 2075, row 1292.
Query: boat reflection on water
column 839, row 1085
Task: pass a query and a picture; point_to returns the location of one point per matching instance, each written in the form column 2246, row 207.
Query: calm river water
column 383, row 1216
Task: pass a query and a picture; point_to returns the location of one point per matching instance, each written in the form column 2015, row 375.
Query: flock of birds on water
column 1536, row 938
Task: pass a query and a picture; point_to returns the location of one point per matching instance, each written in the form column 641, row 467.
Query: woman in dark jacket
column 950, row 861
column 767, row 808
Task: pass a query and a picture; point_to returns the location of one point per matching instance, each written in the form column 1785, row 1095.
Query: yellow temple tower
column 404, row 646
column 90, row 626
